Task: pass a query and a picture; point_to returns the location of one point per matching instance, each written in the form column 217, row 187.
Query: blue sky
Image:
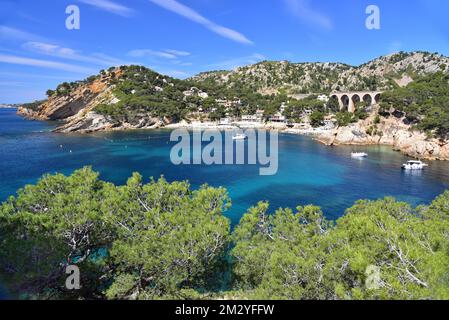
column 183, row 37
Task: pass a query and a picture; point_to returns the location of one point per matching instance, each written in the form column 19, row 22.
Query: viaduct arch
column 348, row 100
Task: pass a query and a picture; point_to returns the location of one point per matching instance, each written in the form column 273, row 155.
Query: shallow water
column 309, row 173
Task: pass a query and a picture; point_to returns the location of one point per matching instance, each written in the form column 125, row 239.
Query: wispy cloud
column 17, row 34
column 110, row 6
column 182, row 64
column 11, row 84
column 307, row 14
column 178, row 53
column 39, row 75
column 45, row 64
column 238, row 62
column 55, row 50
column 186, row 12
column 167, row 54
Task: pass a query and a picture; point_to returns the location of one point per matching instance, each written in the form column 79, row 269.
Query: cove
column 308, row 172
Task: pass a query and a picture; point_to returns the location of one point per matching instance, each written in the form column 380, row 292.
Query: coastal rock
column 60, row 107
column 391, row 131
column 93, row 122
column 90, row 123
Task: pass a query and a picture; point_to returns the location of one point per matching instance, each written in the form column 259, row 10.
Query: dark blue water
column 309, row 173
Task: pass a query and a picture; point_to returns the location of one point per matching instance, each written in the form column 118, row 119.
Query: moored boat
column 414, row 165
column 359, row 155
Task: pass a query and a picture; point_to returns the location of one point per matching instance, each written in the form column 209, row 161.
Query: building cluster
column 259, row 116
column 195, row 92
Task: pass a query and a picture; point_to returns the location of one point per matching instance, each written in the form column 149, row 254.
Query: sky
column 181, row 38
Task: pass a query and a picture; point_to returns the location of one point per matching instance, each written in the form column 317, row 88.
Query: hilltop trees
column 162, row 240
column 425, row 103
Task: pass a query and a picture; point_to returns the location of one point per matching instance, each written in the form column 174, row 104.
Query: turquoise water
column 309, row 173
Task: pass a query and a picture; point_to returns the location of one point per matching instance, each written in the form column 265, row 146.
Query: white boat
column 414, row 165
column 359, row 155
column 240, row 137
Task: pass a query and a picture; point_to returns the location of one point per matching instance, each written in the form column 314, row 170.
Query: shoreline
column 401, row 139
column 327, row 137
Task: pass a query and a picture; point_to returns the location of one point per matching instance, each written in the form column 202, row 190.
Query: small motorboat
column 240, row 136
column 414, row 165
column 359, row 155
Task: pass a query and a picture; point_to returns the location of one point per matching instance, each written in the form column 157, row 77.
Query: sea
column 308, row 172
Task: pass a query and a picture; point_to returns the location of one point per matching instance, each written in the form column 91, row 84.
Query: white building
column 323, row 98
column 203, row 95
column 252, row 118
column 229, row 103
column 283, row 107
column 225, row 122
column 196, row 91
column 188, row 93
column 278, row 117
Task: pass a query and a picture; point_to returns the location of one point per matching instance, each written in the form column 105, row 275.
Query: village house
column 225, row 121
column 323, row 98
column 195, row 91
column 278, row 117
column 252, row 118
column 236, row 102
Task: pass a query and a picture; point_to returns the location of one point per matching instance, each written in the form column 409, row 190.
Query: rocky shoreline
column 392, row 132
column 384, row 131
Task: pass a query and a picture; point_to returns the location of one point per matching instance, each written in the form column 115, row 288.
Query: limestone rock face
column 92, row 122
column 76, row 108
column 391, row 131
column 65, row 106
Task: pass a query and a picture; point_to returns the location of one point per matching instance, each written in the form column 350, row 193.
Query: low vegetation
column 423, row 103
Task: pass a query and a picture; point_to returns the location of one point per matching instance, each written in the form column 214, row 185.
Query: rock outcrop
column 389, row 131
column 60, row 107
column 76, row 108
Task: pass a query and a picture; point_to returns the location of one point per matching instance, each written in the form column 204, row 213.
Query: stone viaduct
column 348, row 100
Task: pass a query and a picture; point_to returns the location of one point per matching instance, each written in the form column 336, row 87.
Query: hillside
column 131, row 97
column 382, row 73
column 120, row 98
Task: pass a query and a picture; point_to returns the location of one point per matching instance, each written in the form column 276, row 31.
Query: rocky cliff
column 80, row 97
column 75, row 107
column 388, row 131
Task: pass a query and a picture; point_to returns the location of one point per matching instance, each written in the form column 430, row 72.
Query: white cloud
column 183, row 64
column 238, row 62
column 39, row 75
column 16, row 34
column 167, row 54
column 186, row 12
column 303, row 10
column 45, row 64
column 110, row 6
column 178, row 53
column 71, row 54
column 11, row 84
